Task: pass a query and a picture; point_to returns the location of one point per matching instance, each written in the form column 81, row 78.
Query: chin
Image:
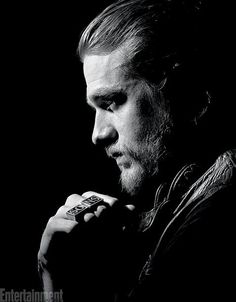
column 132, row 179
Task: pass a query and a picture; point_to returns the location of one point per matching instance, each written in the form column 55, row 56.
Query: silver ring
column 83, row 206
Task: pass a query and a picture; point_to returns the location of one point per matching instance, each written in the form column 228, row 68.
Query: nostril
column 105, row 136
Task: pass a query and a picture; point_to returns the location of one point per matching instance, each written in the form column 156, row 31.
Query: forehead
column 103, row 67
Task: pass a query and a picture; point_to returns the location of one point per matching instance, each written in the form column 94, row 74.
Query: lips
column 123, row 162
column 116, row 155
column 113, row 153
column 119, row 156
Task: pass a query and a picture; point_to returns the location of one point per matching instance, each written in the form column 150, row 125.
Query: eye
column 112, row 106
column 114, row 102
column 108, row 105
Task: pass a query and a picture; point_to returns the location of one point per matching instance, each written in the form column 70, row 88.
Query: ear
column 204, row 109
column 186, row 91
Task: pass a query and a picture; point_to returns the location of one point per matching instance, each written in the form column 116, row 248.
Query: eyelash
column 111, row 106
column 113, row 103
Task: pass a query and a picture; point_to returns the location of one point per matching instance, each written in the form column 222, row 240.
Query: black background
column 46, row 127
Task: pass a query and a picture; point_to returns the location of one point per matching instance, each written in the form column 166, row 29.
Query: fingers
column 112, row 201
column 55, row 225
column 100, row 210
column 58, row 224
column 73, row 200
column 115, row 206
column 130, row 207
column 108, row 199
column 88, row 217
column 61, row 225
column 94, row 211
column 111, row 211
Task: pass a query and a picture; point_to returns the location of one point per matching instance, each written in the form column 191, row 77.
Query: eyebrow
column 103, row 94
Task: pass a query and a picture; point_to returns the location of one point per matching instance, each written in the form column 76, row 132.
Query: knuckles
column 62, row 210
column 88, row 193
column 60, row 223
column 72, row 198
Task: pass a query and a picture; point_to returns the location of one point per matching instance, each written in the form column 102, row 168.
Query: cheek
column 132, row 125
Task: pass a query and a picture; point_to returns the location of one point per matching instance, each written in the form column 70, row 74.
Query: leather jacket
column 182, row 249
column 192, row 230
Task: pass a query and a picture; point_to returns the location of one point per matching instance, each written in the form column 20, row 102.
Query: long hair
column 160, row 37
column 166, row 39
column 153, row 31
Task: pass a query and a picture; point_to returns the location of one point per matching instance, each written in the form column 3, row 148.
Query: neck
column 144, row 199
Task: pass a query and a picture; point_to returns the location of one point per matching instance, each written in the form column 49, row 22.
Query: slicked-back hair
column 157, row 34
column 161, row 39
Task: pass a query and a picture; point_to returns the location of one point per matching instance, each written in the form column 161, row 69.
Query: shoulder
column 207, row 207
column 196, row 250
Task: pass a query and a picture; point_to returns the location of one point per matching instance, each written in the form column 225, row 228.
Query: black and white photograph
column 118, row 151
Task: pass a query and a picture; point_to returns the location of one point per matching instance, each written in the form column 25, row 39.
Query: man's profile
column 169, row 233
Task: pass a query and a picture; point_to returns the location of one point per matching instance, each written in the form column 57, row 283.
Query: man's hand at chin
column 78, row 255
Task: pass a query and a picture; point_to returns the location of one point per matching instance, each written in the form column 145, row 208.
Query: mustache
column 115, row 151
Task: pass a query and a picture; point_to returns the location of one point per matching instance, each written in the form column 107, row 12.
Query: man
column 169, row 234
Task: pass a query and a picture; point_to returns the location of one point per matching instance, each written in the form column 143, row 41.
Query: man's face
column 130, row 121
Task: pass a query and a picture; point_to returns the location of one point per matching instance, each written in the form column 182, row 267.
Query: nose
column 104, row 132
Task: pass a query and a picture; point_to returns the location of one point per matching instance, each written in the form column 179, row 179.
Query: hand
column 64, row 240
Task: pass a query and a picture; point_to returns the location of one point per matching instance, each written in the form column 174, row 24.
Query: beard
column 142, row 164
column 142, row 160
